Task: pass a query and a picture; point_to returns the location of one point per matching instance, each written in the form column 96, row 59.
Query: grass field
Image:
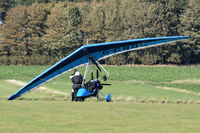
column 62, row 117
column 169, row 84
column 50, row 110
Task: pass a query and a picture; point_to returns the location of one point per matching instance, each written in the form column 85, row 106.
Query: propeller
column 92, row 76
column 97, row 73
column 106, row 84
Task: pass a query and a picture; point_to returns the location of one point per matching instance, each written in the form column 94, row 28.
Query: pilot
column 77, row 80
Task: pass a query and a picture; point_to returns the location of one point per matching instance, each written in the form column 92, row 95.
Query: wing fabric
column 97, row 51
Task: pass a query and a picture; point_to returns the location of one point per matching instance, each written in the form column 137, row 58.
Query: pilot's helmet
column 77, row 73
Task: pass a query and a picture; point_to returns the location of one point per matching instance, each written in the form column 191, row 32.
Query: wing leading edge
column 97, row 51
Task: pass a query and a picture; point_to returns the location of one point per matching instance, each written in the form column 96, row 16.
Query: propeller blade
column 97, row 73
column 92, row 76
column 106, row 84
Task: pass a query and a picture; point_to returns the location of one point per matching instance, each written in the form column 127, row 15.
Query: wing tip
column 12, row 97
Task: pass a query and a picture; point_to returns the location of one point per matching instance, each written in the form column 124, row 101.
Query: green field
column 62, row 117
column 145, row 84
column 50, row 109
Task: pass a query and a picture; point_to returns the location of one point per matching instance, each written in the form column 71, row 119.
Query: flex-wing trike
column 91, row 54
column 93, row 87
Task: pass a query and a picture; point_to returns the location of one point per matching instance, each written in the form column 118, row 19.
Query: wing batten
column 98, row 51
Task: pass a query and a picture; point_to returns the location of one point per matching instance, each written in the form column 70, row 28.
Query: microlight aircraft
column 91, row 54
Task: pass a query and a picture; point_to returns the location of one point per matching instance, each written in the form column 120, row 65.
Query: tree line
column 40, row 32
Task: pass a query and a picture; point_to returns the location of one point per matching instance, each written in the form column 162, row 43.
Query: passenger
column 77, row 80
